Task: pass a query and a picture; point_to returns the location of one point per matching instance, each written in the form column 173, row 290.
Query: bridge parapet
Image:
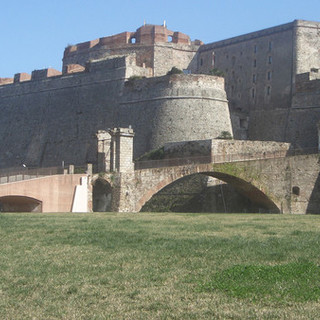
column 25, row 173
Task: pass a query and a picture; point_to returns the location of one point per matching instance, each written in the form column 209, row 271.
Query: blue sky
column 34, row 33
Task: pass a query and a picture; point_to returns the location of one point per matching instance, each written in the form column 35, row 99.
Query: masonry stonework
column 269, row 92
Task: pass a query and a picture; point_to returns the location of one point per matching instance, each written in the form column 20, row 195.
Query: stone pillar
column 104, row 152
column 115, row 150
column 122, row 149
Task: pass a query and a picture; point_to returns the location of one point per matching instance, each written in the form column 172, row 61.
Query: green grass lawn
column 159, row 266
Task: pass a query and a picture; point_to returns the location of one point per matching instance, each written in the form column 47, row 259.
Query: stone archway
column 101, row 195
column 258, row 201
column 15, row 203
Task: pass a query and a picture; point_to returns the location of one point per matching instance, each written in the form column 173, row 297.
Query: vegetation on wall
column 225, row 135
column 174, row 70
column 216, row 72
column 156, row 154
column 134, row 78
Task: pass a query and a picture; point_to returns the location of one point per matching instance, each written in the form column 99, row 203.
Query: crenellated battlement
column 145, row 35
column 173, row 46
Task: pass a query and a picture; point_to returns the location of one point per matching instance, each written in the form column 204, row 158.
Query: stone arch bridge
column 269, row 174
column 277, row 185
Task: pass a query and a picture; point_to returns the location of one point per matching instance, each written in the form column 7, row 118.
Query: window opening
column 268, row 90
column 296, row 190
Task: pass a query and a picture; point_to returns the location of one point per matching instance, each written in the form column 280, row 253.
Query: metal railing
column 19, row 174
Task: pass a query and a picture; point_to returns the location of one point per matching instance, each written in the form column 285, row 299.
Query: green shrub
column 216, row 72
column 225, row 135
column 156, row 154
column 174, row 70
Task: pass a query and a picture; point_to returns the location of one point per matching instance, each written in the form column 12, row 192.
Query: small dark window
column 270, row 45
column 255, row 49
column 269, row 75
column 254, row 63
column 268, row 90
column 254, row 78
column 253, row 92
column 296, row 190
column 201, row 62
column 269, row 59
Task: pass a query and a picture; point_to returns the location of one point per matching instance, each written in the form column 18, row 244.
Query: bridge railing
column 221, row 158
column 19, row 174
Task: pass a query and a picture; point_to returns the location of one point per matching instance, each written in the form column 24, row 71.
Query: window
column 269, row 75
column 132, row 40
column 268, row 90
column 233, row 60
column 254, row 63
column 213, row 59
column 255, row 49
column 253, row 92
column 296, row 190
column 270, row 45
column 201, row 62
column 254, row 78
column 269, row 59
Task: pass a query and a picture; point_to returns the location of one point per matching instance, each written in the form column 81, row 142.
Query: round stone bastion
column 174, row 108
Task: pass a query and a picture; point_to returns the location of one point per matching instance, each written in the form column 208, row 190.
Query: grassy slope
column 159, row 266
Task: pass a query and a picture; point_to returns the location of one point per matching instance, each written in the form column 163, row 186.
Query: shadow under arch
column 101, row 195
column 257, row 197
column 314, row 200
column 16, row 203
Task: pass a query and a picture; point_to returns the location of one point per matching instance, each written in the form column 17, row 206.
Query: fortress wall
column 267, row 126
column 169, row 55
column 246, row 61
column 296, row 125
column 256, row 86
column 45, row 122
column 304, row 114
column 174, row 108
column 307, row 46
column 143, row 53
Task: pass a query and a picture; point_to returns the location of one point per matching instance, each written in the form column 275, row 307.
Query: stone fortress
column 269, row 91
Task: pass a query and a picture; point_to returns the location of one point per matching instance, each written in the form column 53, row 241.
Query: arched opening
column 170, row 38
column 133, row 40
column 20, row 204
column 296, row 190
column 101, row 196
column 210, row 192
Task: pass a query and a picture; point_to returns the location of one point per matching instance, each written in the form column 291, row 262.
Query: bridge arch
column 247, row 189
column 101, row 195
column 17, row 203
